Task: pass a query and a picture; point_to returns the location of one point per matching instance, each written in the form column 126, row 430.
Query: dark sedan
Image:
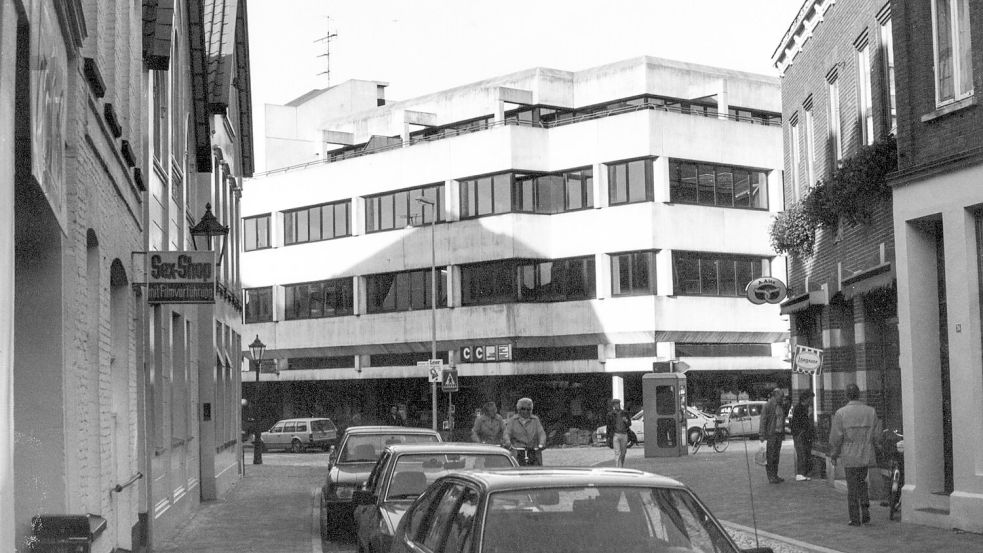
column 402, row 474
column 349, row 466
column 560, row 510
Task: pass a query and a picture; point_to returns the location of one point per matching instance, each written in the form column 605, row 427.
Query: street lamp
column 433, row 302
column 256, row 350
column 206, row 229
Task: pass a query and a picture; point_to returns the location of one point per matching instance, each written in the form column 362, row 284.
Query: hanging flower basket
column 793, row 231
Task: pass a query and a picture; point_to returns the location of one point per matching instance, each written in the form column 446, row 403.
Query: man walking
column 803, row 432
column 617, row 428
column 773, row 432
column 525, row 434
column 852, row 437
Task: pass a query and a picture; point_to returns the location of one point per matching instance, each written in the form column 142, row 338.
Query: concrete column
column 358, row 301
column 618, row 388
column 358, row 216
column 453, row 285
column 600, row 185
column 723, row 104
column 660, row 179
column 452, row 201
column 602, row 275
column 663, row 273
column 499, row 111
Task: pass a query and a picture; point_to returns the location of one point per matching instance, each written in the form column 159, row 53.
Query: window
column 835, row 140
column 953, row 55
column 554, row 192
column 258, row 305
column 315, row 300
column 630, row 181
column 256, row 231
column 810, row 132
column 489, row 195
column 404, row 291
column 398, row 209
column 711, row 274
column 717, row 185
column 633, row 273
column 315, row 223
column 556, row 280
column 160, row 118
column 488, row 283
column 697, row 349
column 794, row 153
column 887, row 56
column 865, row 107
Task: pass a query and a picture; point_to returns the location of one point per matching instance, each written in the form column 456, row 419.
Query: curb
column 316, row 522
column 775, row 537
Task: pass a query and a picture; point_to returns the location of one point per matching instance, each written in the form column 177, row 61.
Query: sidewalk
column 811, row 515
column 275, row 507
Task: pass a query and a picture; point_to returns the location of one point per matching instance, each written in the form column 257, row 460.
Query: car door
column 740, row 421
column 271, row 438
column 367, row 516
column 754, row 415
column 283, row 440
column 414, row 525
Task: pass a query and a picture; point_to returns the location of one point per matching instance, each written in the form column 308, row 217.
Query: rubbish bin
column 65, row 533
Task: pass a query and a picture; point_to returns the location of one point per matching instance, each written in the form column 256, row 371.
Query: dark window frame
column 413, row 209
column 292, row 217
column 469, row 188
column 251, row 224
column 682, row 192
column 632, row 258
column 630, row 186
column 264, row 315
column 340, row 308
column 711, row 262
column 405, row 289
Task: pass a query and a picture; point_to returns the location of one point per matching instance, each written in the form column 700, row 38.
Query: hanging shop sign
column 181, row 277
column 49, row 109
column 490, row 353
column 766, row 290
column 808, row 360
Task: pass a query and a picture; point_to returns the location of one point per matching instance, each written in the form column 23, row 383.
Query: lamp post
column 433, row 302
column 207, row 228
column 256, row 350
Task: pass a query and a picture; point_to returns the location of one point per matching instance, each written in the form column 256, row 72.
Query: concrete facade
column 101, row 104
column 474, row 130
column 938, row 222
column 833, row 59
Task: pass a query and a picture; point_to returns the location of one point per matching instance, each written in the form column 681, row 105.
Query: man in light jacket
column 852, row 437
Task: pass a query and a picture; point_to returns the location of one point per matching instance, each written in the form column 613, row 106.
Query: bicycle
column 718, row 437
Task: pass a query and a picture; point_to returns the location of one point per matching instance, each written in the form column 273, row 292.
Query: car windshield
column 641, row 519
column 638, row 416
column 364, row 448
column 413, row 473
column 321, row 426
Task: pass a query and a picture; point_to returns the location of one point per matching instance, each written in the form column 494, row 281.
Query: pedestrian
column 393, row 418
column 772, row 432
column 617, row 430
column 803, row 432
column 524, row 432
column 853, row 436
column 489, row 426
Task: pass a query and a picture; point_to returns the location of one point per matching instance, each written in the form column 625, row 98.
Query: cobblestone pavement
column 274, row 507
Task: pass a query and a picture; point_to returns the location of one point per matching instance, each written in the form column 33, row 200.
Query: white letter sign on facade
column 181, row 277
column 808, row 360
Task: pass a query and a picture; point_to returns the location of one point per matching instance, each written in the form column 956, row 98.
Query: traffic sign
column 449, row 380
column 808, row 360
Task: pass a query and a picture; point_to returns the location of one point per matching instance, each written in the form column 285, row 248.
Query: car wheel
column 296, row 446
column 693, row 435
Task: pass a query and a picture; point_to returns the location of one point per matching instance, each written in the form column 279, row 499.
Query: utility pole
column 326, row 39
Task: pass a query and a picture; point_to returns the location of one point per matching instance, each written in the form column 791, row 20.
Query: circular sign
column 807, row 360
column 766, row 290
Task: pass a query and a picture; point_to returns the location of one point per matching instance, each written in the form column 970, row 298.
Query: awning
column 881, row 276
column 805, row 301
column 762, row 363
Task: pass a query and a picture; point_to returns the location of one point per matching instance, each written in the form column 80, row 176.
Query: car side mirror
column 363, row 497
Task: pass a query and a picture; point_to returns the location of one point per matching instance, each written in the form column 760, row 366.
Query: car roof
column 380, row 429
column 305, row 419
column 743, row 402
column 447, row 447
column 527, row 477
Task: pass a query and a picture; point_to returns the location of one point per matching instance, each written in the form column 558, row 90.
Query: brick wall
column 924, row 142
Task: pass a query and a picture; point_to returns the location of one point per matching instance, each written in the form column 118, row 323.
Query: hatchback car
column 351, row 462
column 695, row 419
column 297, row 435
column 402, row 474
column 742, row 418
column 540, row 510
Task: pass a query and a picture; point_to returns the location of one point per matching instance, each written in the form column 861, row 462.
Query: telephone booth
column 664, row 398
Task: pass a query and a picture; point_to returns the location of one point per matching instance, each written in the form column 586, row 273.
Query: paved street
column 274, row 508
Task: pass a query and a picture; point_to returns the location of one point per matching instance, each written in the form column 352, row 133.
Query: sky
column 424, row 46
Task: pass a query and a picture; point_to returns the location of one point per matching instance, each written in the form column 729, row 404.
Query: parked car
column 694, row 426
column 297, row 435
column 526, row 509
column 350, row 463
column 402, row 474
column 742, row 418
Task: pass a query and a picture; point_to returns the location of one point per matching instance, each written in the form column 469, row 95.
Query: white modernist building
column 589, row 225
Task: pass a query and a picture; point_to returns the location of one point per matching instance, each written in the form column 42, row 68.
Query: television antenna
column 326, row 39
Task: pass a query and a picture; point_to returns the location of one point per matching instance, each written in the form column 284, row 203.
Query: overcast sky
column 423, row 46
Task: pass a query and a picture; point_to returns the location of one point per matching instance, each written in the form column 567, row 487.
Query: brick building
column 938, row 225
column 88, row 385
column 838, row 106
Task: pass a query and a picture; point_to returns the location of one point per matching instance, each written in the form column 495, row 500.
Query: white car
column 741, row 418
column 695, row 419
